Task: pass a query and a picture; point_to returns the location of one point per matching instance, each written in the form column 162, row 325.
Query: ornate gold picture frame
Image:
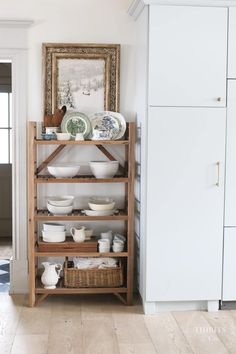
column 83, row 77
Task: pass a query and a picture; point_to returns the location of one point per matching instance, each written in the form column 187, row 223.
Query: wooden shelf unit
column 125, row 175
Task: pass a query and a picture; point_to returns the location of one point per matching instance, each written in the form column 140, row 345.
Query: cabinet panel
column 184, row 224
column 229, row 267
column 230, row 185
column 232, row 41
column 187, row 56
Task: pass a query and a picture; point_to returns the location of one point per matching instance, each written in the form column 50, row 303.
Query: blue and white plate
column 107, row 125
column 76, row 122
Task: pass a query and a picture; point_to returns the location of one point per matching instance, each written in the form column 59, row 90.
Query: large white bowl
column 63, row 170
column 54, row 236
column 59, row 210
column 54, row 227
column 104, row 169
column 61, row 201
column 101, row 203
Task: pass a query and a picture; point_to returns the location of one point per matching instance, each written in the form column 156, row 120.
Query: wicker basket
column 93, row 278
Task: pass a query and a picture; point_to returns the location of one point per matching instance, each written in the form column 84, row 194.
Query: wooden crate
column 68, row 246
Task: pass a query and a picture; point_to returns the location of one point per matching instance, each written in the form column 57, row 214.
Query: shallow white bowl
column 63, row 136
column 104, row 169
column 53, row 227
column 59, row 210
column 99, row 212
column 101, row 203
column 52, row 236
column 63, row 170
column 61, row 201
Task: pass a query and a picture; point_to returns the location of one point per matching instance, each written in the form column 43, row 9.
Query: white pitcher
column 78, row 234
column 50, row 275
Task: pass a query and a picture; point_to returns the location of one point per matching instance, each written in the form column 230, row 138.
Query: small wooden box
column 68, row 246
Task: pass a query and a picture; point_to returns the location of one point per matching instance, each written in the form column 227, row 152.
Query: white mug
column 79, row 136
column 107, row 235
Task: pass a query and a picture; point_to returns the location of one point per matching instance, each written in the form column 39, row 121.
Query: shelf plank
column 41, row 290
column 77, row 215
column 80, row 254
column 80, row 179
column 81, row 142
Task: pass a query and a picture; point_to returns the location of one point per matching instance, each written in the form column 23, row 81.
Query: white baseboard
column 18, row 276
column 154, row 307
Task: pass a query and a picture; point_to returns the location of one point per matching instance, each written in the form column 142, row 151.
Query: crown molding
column 15, row 23
column 137, row 6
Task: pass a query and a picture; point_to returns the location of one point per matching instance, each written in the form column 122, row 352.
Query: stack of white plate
column 60, row 205
column 53, row 232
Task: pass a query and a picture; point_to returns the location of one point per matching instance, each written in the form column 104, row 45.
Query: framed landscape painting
column 83, row 77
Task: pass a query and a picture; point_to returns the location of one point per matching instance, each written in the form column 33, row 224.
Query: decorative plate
column 107, row 125
column 76, row 122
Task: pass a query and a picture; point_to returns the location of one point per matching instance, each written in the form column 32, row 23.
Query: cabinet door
column 230, row 183
column 187, row 56
column 185, row 190
column 229, row 265
column 232, row 41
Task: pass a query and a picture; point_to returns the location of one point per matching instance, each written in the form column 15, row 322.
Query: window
column 5, row 127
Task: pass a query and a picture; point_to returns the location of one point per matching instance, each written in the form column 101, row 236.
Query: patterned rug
column 4, row 275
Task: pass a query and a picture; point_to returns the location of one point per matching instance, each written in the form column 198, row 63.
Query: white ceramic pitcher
column 50, row 275
column 78, row 233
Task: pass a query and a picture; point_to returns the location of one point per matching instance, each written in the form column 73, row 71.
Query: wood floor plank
column 131, row 332
column 166, row 334
column 35, row 320
column 30, row 344
column 224, row 325
column 199, row 333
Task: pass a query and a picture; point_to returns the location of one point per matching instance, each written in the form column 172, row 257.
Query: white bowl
column 59, row 210
column 104, row 169
column 52, row 236
column 101, row 203
column 53, row 227
column 63, row 136
column 63, row 170
column 61, row 201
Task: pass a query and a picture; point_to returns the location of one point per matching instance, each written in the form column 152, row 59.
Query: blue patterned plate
column 107, row 125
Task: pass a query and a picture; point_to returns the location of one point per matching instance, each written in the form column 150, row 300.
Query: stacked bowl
column 60, row 205
column 100, row 206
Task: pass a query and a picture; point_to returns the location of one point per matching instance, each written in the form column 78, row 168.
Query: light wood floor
column 102, row 325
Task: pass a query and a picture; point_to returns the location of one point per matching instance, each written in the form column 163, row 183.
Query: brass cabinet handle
column 218, row 174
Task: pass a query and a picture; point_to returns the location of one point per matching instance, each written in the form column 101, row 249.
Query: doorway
column 5, row 174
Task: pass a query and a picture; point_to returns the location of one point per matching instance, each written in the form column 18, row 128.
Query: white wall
column 75, row 21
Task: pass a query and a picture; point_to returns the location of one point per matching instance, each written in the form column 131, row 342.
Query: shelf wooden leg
column 40, row 298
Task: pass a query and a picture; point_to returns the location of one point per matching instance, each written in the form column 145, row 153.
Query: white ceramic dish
column 63, row 136
column 99, row 212
column 101, row 203
column 53, row 227
column 61, row 201
column 59, row 210
column 104, row 169
column 52, row 236
column 63, row 170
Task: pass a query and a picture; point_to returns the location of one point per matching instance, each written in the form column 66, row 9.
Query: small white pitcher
column 78, row 234
column 50, row 275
